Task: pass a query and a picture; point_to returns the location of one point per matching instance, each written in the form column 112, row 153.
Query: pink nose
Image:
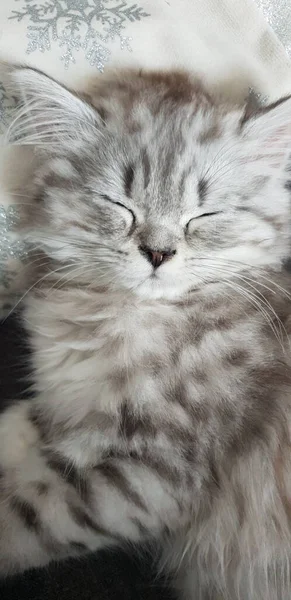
column 157, row 257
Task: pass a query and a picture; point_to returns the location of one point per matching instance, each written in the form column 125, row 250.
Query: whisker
column 68, row 280
column 260, row 272
column 27, row 291
column 259, row 301
column 242, row 276
column 73, row 242
column 265, row 301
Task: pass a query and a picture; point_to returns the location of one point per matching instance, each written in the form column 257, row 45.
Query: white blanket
column 227, row 42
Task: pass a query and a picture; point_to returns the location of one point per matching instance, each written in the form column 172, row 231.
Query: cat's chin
column 155, row 289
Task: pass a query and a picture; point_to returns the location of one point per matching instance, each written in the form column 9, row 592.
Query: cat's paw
column 17, row 435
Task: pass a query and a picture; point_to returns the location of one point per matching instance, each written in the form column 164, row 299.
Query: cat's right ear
column 48, row 114
column 267, row 130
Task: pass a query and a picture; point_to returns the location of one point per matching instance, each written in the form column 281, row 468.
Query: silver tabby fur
column 162, row 397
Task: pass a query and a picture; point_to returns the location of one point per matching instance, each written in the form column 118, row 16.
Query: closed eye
column 108, row 199
column 105, row 197
column 204, row 215
column 209, row 214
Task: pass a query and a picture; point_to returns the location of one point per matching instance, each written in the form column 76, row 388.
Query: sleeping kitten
column 160, row 324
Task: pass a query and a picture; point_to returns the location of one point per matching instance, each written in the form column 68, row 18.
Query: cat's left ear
column 48, row 113
column 268, row 131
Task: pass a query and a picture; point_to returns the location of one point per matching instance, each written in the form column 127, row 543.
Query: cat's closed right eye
column 202, row 216
column 129, row 210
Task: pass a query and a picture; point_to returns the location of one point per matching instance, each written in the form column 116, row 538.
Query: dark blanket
column 107, row 575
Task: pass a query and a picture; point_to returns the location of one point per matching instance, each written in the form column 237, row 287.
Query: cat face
column 151, row 186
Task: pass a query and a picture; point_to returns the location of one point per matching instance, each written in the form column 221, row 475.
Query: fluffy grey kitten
column 159, row 323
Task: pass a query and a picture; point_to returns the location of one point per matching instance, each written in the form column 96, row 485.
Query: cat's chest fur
column 116, row 375
column 95, row 354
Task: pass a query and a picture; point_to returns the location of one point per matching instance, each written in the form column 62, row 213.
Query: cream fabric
column 227, row 42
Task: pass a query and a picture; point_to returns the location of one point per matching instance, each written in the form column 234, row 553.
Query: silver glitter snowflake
column 9, row 248
column 88, row 25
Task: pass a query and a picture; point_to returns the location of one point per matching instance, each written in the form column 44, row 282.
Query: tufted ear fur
column 268, row 131
column 49, row 114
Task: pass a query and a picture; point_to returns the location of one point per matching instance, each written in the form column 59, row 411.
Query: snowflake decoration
column 39, row 39
column 9, row 248
column 97, row 55
column 88, row 25
column 71, row 43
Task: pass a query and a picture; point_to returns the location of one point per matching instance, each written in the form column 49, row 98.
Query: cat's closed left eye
column 202, row 216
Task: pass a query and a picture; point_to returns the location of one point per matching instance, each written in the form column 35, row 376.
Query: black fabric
column 106, row 576
column 14, row 361
column 110, row 575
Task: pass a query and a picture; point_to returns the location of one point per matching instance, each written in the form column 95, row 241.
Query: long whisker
column 29, row 290
column 95, row 268
column 244, row 278
column 257, row 304
column 68, row 279
column 259, row 301
column 259, row 271
column 73, row 242
column 262, row 297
